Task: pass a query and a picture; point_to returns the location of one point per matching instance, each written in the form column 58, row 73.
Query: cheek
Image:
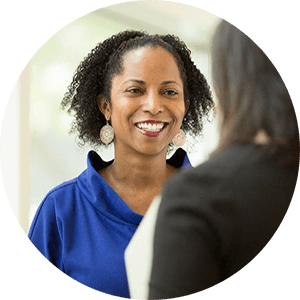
column 179, row 111
column 122, row 110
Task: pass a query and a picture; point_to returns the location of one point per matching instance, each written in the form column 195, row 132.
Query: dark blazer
column 214, row 219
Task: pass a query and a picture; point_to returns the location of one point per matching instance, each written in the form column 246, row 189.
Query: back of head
column 252, row 96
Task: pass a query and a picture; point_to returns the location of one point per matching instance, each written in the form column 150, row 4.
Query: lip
column 151, row 133
column 152, row 121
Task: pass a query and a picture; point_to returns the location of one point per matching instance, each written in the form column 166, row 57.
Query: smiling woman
column 140, row 92
column 94, row 77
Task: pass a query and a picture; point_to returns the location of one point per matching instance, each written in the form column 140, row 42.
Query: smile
column 154, row 127
column 151, row 129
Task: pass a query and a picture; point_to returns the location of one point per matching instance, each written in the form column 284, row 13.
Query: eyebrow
column 136, row 80
column 169, row 82
column 144, row 83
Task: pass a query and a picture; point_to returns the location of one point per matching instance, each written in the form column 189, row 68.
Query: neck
column 138, row 171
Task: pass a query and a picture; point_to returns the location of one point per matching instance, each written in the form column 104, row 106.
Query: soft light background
column 47, row 154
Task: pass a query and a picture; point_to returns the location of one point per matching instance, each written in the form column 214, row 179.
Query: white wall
column 10, row 163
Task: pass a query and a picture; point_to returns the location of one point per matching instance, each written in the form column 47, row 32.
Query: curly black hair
column 94, row 75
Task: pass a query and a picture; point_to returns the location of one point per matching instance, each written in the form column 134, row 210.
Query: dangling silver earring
column 179, row 138
column 106, row 134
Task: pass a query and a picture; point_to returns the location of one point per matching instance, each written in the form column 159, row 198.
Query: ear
column 104, row 106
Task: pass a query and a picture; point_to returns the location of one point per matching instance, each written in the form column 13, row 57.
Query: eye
column 171, row 93
column 134, row 91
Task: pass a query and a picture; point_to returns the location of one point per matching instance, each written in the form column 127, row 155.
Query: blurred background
column 37, row 152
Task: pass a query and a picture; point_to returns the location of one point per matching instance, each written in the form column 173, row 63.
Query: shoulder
column 50, row 207
column 223, row 180
column 229, row 194
column 60, row 195
column 233, row 181
column 63, row 188
column 223, row 165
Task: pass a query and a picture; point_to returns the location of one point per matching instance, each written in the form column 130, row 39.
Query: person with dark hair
column 214, row 219
column 143, row 93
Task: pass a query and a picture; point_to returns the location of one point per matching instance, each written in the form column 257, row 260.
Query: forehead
column 150, row 60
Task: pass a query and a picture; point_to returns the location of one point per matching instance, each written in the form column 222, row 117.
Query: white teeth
column 150, row 126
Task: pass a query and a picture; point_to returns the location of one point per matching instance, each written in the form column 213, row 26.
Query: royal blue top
column 83, row 227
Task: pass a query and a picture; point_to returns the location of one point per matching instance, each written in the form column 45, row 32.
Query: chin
column 151, row 151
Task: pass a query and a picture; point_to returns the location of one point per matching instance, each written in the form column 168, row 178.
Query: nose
column 153, row 104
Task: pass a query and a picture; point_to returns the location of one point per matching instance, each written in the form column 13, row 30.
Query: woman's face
column 147, row 101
